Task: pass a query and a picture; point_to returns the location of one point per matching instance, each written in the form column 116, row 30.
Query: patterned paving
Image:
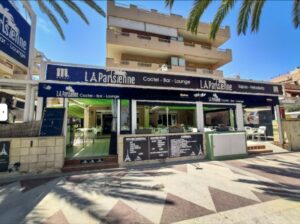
column 197, row 192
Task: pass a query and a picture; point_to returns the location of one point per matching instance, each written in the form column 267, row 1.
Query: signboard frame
column 15, row 34
column 119, row 78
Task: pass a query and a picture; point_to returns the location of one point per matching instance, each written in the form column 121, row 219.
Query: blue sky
column 260, row 56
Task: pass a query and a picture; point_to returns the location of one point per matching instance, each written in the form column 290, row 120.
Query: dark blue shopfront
column 164, row 115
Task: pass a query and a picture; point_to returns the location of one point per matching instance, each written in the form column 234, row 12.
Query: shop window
column 165, row 118
column 219, row 118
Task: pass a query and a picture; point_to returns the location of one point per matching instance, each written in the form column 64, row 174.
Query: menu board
column 185, row 145
column 158, row 147
column 52, row 123
column 4, row 155
column 136, row 149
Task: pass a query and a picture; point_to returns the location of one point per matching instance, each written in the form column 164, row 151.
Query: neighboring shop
column 149, row 116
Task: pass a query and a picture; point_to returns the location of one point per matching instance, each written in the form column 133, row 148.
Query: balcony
column 152, row 16
column 176, row 70
column 202, row 54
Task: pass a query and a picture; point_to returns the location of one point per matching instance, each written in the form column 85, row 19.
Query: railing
column 190, row 69
column 189, row 44
column 158, row 67
column 124, row 62
column 144, row 64
column 144, row 37
column 164, row 40
column 123, row 34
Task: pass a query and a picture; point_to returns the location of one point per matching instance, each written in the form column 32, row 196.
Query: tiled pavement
column 263, row 189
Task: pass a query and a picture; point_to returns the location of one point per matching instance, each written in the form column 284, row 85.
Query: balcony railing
column 158, row 67
column 171, row 45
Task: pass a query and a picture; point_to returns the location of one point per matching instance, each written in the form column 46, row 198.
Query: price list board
column 158, row 147
column 185, row 145
column 136, row 149
column 161, row 147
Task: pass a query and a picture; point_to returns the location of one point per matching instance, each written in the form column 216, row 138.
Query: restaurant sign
column 14, row 33
column 111, row 92
column 129, row 78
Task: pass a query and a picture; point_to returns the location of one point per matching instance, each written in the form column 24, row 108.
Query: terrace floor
column 261, row 189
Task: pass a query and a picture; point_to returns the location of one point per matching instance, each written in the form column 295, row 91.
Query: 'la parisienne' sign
column 14, row 33
column 93, row 75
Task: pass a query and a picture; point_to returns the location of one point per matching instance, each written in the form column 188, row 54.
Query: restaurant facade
column 151, row 117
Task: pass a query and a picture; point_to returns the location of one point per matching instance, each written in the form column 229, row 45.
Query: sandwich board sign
column 14, row 33
column 4, row 155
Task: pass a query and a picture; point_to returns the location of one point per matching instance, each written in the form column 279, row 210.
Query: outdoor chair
column 261, row 131
column 250, row 132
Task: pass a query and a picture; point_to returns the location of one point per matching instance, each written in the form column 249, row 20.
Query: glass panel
column 219, row 118
column 174, row 61
column 152, row 118
column 89, row 128
column 125, row 115
column 182, row 62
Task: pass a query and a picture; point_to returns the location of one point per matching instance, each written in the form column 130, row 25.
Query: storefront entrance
column 90, row 128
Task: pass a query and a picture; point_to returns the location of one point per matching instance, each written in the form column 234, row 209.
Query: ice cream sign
column 14, row 33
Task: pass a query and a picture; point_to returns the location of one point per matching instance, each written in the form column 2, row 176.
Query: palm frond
column 96, row 7
column 59, row 10
column 52, row 18
column 197, row 11
column 76, row 9
column 244, row 15
column 219, row 17
column 256, row 14
column 169, row 3
column 296, row 13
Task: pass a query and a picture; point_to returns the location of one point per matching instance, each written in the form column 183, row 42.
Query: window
column 181, row 62
column 165, row 118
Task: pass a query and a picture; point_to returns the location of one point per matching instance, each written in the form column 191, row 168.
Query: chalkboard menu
column 158, row 147
column 185, row 145
column 52, row 123
column 4, row 155
column 136, row 149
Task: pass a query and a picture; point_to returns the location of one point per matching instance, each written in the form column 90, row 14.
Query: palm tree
column 248, row 8
column 47, row 6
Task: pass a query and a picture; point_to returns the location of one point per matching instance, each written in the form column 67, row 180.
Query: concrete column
column 239, row 117
column 133, row 116
column 231, row 117
column 278, row 119
column 200, row 116
column 32, row 103
column 39, row 108
column 86, row 118
column 27, row 103
column 146, row 116
column 118, row 116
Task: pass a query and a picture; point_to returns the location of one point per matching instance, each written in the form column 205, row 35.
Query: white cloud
column 43, row 25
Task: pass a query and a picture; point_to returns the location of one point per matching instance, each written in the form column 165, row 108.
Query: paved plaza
column 262, row 189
